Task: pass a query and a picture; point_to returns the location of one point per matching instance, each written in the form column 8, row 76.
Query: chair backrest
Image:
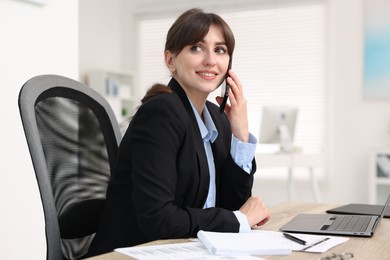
column 73, row 137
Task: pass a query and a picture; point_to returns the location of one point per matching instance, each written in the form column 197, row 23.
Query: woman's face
column 200, row 68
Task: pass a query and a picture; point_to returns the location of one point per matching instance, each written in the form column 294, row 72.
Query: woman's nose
column 210, row 58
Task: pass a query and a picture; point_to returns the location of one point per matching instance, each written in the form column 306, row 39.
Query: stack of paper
column 181, row 251
column 242, row 246
column 261, row 242
column 233, row 244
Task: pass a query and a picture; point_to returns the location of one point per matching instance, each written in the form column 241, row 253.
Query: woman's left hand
column 237, row 110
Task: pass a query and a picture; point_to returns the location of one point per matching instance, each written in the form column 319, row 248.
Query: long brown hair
column 155, row 90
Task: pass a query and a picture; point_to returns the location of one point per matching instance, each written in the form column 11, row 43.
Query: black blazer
column 161, row 179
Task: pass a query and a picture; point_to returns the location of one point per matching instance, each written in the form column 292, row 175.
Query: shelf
column 118, row 88
column 379, row 170
column 382, row 181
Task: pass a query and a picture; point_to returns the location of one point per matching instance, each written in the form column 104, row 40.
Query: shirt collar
column 207, row 128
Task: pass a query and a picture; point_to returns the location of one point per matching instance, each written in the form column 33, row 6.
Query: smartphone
column 225, row 89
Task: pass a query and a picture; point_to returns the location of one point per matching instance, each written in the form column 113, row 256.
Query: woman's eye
column 220, row 50
column 196, row 48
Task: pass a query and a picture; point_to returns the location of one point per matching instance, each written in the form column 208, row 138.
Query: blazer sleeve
column 234, row 185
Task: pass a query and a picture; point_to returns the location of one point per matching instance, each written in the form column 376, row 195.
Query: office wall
column 106, row 37
column 357, row 125
column 34, row 40
column 101, row 36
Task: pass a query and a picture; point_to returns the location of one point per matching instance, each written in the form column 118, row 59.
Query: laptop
column 360, row 209
column 349, row 225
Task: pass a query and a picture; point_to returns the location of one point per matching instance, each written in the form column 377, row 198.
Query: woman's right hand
column 255, row 211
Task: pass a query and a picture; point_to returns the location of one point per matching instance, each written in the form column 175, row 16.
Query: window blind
column 279, row 58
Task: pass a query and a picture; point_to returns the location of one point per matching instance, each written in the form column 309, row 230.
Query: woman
column 182, row 165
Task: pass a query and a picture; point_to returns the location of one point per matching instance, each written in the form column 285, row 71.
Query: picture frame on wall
column 376, row 49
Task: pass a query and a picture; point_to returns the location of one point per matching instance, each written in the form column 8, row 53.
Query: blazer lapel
column 204, row 175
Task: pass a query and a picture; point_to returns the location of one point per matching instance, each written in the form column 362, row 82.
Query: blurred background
column 328, row 58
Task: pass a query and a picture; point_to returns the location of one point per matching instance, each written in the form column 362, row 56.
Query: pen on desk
column 295, row 239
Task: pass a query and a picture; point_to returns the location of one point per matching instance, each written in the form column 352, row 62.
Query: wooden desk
column 376, row 247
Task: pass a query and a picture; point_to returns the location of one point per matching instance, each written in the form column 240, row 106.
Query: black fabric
column 161, row 180
column 76, row 159
column 79, row 219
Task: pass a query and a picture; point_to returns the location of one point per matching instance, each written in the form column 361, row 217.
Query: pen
column 295, row 239
column 317, row 243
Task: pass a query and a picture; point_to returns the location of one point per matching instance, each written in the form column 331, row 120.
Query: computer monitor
column 278, row 126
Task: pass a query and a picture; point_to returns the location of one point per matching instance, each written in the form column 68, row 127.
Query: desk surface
column 375, row 247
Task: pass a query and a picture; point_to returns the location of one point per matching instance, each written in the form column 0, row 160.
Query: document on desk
column 261, row 242
column 252, row 243
column 314, row 243
column 182, row 251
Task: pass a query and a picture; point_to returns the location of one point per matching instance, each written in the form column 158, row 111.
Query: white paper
column 252, row 243
column 317, row 243
column 185, row 251
column 314, row 243
column 196, row 250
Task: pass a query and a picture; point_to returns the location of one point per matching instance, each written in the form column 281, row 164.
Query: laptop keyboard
column 348, row 223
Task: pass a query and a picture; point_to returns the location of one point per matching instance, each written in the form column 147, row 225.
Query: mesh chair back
column 73, row 137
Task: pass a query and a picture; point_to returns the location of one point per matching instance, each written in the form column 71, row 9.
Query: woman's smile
column 207, row 75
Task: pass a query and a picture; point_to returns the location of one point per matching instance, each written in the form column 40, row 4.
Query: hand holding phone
column 225, row 89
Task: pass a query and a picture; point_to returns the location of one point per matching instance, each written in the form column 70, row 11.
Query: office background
column 47, row 40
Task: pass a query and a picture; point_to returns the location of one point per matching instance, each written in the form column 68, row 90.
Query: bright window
column 279, row 57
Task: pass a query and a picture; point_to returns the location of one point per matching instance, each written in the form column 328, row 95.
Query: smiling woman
column 200, row 68
column 183, row 166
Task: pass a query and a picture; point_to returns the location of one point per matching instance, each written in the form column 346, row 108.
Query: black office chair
column 73, row 137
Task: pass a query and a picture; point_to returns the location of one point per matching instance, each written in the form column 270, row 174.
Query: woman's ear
column 169, row 61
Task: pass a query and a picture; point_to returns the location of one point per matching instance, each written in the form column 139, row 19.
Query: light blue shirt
column 242, row 154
